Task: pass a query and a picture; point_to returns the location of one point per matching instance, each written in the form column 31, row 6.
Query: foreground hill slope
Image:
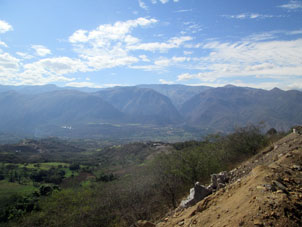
column 264, row 191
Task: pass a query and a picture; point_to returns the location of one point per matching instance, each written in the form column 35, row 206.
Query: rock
column 219, row 180
column 259, row 187
column 279, row 185
column 196, row 194
column 143, row 223
column 258, row 223
column 296, row 167
column 181, row 223
column 241, row 223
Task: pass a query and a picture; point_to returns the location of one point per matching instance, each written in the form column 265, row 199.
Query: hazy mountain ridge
column 178, row 94
column 227, row 107
column 27, row 109
column 142, row 105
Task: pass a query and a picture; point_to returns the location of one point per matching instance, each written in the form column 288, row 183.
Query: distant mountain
column 142, row 105
column 177, row 93
column 228, row 107
column 24, row 113
column 143, row 111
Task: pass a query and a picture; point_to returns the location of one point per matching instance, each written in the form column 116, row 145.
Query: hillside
column 142, row 105
column 264, row 191
column 225, row 108
column 177, row 93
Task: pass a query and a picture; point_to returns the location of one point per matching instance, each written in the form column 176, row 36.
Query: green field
column 10, row 188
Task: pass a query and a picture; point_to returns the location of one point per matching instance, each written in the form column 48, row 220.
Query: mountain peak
column 229, row 86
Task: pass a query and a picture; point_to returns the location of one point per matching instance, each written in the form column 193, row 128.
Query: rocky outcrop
column 264, row 191
column 144, row 223
column 196, row 194
column 199, row 192
column 218, row 180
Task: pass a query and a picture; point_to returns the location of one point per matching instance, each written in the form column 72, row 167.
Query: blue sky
column 98, row 43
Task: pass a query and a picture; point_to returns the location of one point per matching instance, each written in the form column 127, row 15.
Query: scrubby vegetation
column 111, row 185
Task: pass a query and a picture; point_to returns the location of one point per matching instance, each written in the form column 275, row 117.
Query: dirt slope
column 265, row 191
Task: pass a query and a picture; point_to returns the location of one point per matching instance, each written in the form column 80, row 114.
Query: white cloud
column 164, row 1
column 292, row 5
column 175, row 0
column 183, row 11
column 79, row 37
column 250, row 16
column 153, row 1
column 83, row 84
column 144, row 58
column 157, row 46
column 187, row 52
column 274, row 60
column 162, row 63
column 8, row 64
column 24, row 55
column 56, row 66
column 162, row 81
column 142, row 5
column 14, row 72
column 3, row 44
column 296, row 32
column 106, row 46
column 5, row 27
column 41, row 50
column 108, row 32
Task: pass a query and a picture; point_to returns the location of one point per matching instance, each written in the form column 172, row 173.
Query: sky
column 101, row 43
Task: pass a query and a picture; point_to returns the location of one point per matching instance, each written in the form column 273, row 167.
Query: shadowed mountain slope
column 177, row 93
column 142, row 105
column 227, row 107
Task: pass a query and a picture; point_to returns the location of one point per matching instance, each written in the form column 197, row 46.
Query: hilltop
column 263, row 191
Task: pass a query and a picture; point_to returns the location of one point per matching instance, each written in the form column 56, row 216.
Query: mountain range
column 66, row 111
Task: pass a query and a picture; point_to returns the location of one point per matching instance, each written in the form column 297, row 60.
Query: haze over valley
column 176, row 112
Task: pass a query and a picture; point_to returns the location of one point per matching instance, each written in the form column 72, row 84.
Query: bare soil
column 264, row 191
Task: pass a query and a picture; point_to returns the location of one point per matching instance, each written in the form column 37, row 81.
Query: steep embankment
column 264, row 191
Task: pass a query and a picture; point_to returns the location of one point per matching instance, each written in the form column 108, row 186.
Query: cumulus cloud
column 164, row 1
column 8, row 64
column 106, row 46
column 56, row 66
column 5, row 27
column 41, row 50
column 292, row 5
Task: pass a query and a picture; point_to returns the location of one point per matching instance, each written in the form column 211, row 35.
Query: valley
column 145, row 112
